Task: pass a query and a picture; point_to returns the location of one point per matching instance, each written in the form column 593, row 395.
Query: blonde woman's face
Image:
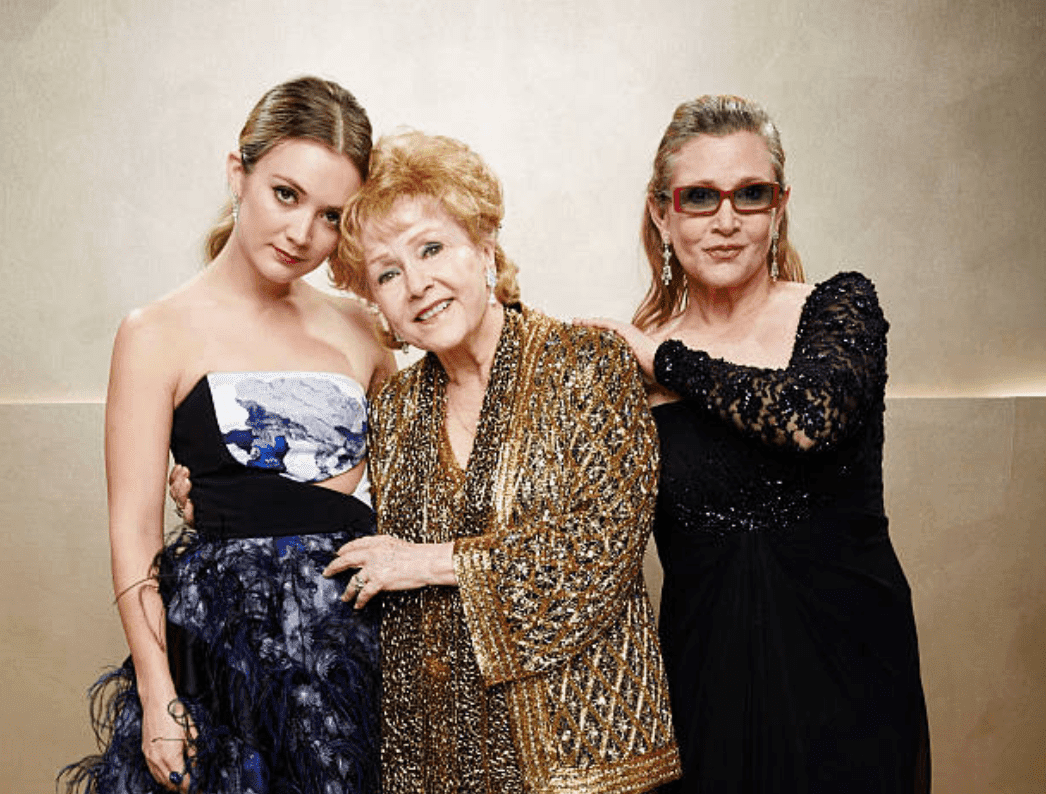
column 726, row 249
column 290, row 207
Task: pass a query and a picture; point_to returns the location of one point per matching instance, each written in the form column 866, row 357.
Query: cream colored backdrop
column 915, row 139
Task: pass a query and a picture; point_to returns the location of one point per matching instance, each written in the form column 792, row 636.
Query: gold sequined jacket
column 541, row 672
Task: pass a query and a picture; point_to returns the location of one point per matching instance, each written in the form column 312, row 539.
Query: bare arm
column 137, row 431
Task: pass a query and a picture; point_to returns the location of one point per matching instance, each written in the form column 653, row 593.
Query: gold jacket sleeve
column 576, row 484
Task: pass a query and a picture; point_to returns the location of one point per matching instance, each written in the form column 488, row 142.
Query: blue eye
column 754, row 196
column 431, row 249
column 387, row 275
column 699, row 198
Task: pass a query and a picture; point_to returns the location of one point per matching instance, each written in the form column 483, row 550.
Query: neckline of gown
column 799, row 331
column 288, row 372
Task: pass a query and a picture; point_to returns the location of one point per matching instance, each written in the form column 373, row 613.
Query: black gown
column 281, row 678
column 786, row 620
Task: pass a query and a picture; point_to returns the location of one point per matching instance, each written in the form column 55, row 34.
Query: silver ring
column 358, row 581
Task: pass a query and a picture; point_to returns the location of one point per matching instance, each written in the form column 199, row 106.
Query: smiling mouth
column 286, row 258
column 433, row 311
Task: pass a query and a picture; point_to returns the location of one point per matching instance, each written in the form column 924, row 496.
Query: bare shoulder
column 154, row 341
column 158, row 322
column 793, row 293
column 352, row 309
column 350, row 324
column 347, row 321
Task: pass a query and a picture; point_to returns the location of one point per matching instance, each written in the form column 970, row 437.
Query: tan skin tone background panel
column 915, row 146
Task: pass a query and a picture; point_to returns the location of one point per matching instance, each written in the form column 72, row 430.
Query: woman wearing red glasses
column 786, row 620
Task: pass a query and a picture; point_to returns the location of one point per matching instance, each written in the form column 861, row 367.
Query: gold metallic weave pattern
column 541, row 672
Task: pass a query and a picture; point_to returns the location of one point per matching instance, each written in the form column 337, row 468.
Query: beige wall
column 914, row 135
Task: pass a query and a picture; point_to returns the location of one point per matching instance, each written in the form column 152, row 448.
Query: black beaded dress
column 786, row 620
column 281, row 678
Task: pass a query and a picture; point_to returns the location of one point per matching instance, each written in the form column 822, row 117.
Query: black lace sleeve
column 836, row 375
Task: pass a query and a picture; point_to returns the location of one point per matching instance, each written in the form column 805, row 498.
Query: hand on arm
column 643, row 346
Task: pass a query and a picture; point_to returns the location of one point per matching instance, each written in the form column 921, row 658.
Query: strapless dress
column 280, row 677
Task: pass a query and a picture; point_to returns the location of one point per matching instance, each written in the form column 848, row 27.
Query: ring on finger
column 359, row 582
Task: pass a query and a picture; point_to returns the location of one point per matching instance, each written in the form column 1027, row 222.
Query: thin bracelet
column 131, row 586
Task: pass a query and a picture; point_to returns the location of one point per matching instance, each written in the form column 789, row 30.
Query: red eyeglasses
column 746, row 200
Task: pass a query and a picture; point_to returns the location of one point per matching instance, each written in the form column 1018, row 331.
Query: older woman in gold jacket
column 514, row 470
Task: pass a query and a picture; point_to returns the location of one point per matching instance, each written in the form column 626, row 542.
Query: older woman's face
column 727, row 249
column 427, row 276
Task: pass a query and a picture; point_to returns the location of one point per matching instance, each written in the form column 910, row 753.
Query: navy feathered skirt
column 280, row 677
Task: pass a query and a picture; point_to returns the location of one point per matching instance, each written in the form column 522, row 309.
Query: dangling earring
column 773, row 257
column 235, row 210
column 384, row 328
column 666, row 268
column 492, row 280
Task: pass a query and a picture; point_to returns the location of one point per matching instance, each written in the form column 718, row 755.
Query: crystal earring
column 400, row 342
column 773, row 258
column 666, row 268
column 235, row 210
column 492, row 280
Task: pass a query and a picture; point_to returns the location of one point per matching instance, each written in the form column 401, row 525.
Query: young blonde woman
column 247, row 673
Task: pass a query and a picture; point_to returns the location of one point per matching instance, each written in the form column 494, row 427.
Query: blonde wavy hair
column 413, row 164
column 706, row 115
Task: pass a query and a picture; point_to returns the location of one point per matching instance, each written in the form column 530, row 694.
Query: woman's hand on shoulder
column 643, row 346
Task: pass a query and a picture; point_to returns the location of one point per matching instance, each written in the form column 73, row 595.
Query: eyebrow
column 294, row 184
column 745, row 180
column 382, row 260
column 427, row 234
column 385, row 258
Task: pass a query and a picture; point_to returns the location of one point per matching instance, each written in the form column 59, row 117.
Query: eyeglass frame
column 723, row 194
